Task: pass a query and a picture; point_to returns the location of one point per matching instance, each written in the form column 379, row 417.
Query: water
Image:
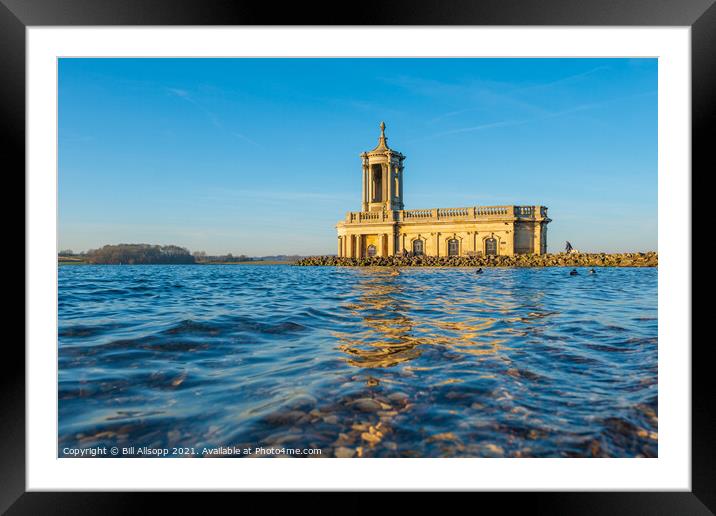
column 430, row 362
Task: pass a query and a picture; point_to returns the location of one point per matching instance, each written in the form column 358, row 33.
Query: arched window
column 377, row 173
column 371, row 250
column 491, row 246
column 418, row 247
column 453, row 247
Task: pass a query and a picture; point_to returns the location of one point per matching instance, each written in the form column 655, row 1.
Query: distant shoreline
column 62, row 261
column 648, row 259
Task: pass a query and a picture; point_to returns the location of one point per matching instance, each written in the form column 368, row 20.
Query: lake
column 358, row 362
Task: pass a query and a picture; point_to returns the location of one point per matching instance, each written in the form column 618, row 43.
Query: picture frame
column 700, row 15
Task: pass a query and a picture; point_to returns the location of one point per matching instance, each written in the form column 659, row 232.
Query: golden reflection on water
column 395, row 331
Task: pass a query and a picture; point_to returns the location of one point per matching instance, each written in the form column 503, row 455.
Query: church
column 384, row 227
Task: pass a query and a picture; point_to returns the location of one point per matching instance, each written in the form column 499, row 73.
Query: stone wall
column 650, row 259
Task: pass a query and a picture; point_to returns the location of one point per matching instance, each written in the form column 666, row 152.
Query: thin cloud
column 482, row 127
column 452, row 114
column 212, row 116
column 547, row 116
column 272, row 195
column 563, row 80
column 485, row 91
column 247, row 139
column 480, row 93
column 179, row 93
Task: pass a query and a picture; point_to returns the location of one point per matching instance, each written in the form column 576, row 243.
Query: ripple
column 360, row 362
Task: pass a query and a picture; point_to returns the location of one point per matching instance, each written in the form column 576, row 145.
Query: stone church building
column 384, row 227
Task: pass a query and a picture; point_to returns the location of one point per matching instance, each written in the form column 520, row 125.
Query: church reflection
column 400, row 319
column 387, row 338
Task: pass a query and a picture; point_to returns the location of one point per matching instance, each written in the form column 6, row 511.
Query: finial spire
column 382, row 146
column 382, row 141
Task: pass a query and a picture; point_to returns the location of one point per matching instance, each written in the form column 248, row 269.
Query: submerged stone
column 284, row 417
column 344, row 453
column 366, row 405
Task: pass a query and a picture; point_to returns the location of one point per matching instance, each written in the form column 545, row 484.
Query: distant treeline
column 282, row 258
column 157, row 254
column 202, row 257
column 131, row 254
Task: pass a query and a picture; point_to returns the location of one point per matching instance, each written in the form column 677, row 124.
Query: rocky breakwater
column 650, row 259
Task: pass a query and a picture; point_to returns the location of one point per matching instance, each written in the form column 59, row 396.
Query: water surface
column 372, row 362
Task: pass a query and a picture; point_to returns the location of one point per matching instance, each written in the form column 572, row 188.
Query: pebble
column 399, row 397
column 284, row 417
column 456, row 395
column 371, row 438
column 174, row 435
column 366, row 405
column 176, row 382
column 302, row 402
column 343, row 439
column 494, row 450
column 282, row 437
column 344, row 453
column 445, row 436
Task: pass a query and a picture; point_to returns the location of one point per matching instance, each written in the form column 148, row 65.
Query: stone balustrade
column 448, row 214
column 486, row 211
column 369, row 216
column 417, row 214
column 453, row 212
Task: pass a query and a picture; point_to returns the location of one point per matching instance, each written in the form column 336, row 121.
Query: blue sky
column 260, row 156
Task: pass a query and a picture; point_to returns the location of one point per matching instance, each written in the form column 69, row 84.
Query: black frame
column 700, row 15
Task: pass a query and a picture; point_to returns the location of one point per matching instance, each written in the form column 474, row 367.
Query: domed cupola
column 382, row 177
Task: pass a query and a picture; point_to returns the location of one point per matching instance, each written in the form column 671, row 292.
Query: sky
column 261, row 156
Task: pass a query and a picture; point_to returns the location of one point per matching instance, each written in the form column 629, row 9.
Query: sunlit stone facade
column 384, row 227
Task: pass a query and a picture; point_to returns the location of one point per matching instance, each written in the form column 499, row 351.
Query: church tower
column 383, row 227
column 382, row 177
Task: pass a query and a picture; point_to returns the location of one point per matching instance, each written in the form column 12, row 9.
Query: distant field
column 251, row 262
column 71, row 260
